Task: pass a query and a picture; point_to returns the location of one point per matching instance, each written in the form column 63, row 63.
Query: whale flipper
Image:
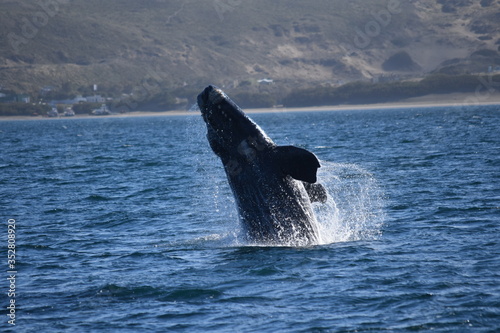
column 299, row 163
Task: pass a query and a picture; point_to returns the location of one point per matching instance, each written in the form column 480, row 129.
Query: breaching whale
column 273, row 185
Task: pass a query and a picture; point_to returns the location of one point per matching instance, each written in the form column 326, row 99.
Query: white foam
column 355, row 207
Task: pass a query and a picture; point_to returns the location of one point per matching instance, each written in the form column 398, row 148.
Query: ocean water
column 128, row 225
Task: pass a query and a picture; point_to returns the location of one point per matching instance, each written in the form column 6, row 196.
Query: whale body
column 273, row 185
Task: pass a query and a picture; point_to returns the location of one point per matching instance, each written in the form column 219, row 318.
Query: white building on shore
column 80, row 99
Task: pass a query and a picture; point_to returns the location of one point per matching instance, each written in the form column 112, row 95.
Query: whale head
column 229, row 130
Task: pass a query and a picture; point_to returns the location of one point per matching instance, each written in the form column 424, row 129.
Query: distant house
column 4, row 98
column 79, row 99
column 23, row 98
column 76, row 100
column 45, row 90
column 14, row 98
column 95, row 99
column 265, row 81
column 492, row 69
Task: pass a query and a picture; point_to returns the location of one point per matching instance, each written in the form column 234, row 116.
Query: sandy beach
column 456, row 99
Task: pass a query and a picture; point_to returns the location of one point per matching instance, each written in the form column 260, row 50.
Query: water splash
column 194, row 108
column 354, row 210
column 355, row 207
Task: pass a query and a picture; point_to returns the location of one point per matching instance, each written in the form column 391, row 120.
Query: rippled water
column 127, row 224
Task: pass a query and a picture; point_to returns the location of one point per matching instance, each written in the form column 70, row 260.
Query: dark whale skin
column 273, row 185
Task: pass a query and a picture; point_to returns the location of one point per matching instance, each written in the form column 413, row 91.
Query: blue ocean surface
column 128, row 225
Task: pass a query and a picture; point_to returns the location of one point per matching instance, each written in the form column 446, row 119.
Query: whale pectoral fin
column 299, row 163
column 316, row 192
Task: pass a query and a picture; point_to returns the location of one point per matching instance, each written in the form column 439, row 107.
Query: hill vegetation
column 366, row 93
column 158, row 54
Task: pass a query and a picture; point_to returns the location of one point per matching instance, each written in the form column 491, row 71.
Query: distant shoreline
column 437, row 100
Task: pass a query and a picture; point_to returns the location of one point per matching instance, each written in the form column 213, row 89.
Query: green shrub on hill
column 254, row 100
column 23, row 109
column 85, row 108
column 365, row 92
